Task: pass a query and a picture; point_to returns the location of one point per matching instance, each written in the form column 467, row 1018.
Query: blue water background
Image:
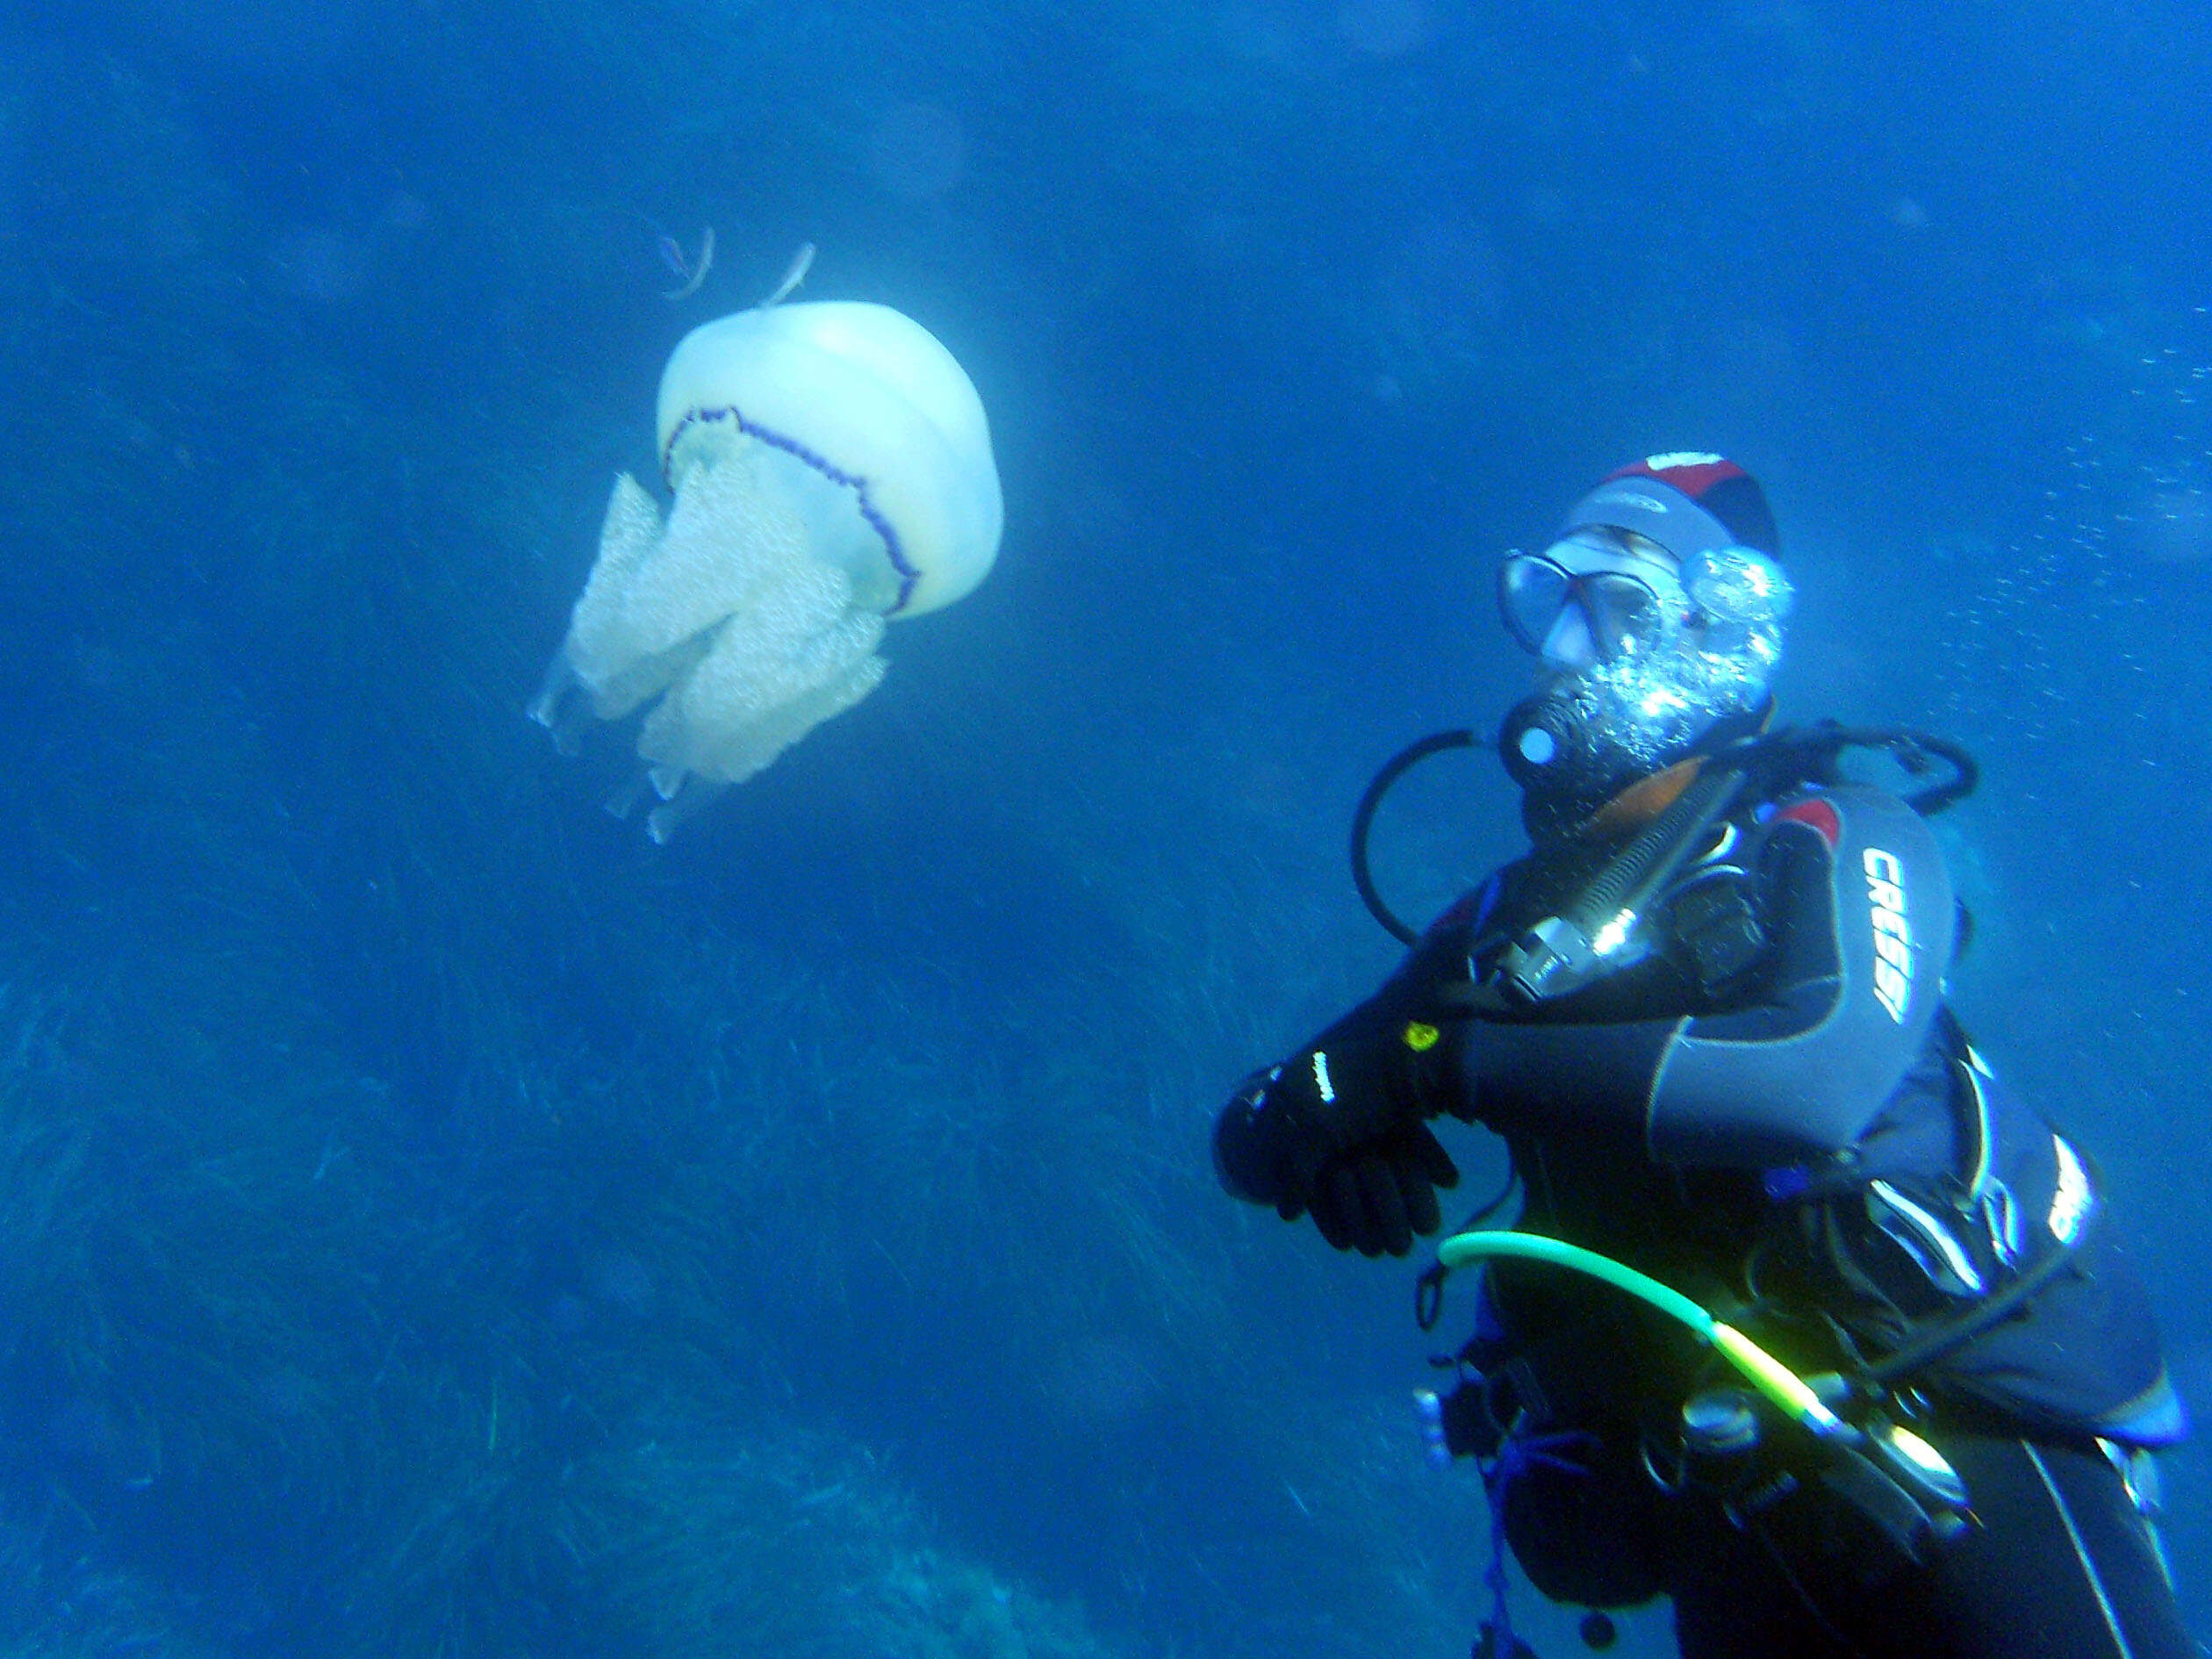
column 433, row 1220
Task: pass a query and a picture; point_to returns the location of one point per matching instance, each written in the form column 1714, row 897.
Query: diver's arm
column 1859, row 911
column 1339, row 1128
column 1866, row 921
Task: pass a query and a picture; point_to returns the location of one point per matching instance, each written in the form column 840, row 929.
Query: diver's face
column 1639, row 657
column 1598, row 596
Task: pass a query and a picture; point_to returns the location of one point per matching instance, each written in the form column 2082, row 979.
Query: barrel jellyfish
column 831, row 471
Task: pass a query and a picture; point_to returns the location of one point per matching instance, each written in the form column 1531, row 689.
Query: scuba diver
column 1806, row 1322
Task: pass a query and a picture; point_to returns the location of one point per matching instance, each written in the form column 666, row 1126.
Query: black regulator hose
column 1816, row 751
column 1393, row 769
column 1917, row 752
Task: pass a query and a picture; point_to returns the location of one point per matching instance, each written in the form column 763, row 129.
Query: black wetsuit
column 1766, row 1104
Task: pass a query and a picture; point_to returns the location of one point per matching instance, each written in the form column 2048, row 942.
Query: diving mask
column 1601, row 595
column 1595, row 597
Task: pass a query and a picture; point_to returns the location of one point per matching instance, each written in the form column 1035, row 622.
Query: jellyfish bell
column 831, row 471
column 883, row 436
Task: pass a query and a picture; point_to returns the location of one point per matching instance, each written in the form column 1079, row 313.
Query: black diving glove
column 1340, row 1131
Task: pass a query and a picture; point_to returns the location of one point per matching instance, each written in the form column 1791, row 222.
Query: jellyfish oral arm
column 847, row 495
column 721, row 613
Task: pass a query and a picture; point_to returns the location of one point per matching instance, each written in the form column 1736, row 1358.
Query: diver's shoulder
column 1836, row 811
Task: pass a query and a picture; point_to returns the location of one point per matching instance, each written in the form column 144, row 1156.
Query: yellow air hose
column 1791, row 1394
